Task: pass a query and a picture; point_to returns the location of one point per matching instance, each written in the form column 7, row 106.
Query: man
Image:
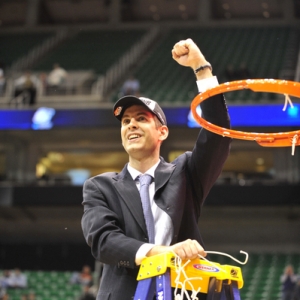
column 26, row 85
column 56, row 78
column 131, row 87
column 288, row 283
column 113, row 222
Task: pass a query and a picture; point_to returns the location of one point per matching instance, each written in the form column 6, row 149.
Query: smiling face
column 141, row 133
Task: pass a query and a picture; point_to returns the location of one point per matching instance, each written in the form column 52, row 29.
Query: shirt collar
column 135, row 173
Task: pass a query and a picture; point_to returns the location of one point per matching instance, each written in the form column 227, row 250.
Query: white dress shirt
column 162, row 221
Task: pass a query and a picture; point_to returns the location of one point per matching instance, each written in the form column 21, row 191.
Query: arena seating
column 16, row 45
column 261, row 278
column 91, row 50
column 261, row 49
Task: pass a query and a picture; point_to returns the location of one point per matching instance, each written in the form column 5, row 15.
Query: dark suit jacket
column 113, row 222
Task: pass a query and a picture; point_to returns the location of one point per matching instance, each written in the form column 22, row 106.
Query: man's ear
column 164, row 132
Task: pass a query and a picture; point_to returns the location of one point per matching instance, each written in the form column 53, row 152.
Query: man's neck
column 144, row 164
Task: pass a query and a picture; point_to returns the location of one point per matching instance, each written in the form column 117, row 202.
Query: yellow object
column 196, row 273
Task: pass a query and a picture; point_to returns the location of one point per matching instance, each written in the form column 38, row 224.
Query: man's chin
column 136, row 152
column 133, row 150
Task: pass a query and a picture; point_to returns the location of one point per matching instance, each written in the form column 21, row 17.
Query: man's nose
column 133, row 123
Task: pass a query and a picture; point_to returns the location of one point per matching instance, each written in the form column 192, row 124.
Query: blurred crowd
column 28, row 85
column 14, row 279
column 23, row 89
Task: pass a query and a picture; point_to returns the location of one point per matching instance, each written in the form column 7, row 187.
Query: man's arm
column 187, row 54
column 213, row 149
column 102, row 225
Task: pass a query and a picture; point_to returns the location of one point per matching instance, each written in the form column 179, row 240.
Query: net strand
column 233, row 258
column 287, row 101
column 294, row 142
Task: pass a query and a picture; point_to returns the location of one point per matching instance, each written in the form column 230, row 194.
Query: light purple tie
column 145, row 181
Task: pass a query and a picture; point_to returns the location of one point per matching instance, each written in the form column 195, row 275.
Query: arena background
column 254, row 206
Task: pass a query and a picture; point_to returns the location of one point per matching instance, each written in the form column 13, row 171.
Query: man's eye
column 142, row 118
column 125, row 121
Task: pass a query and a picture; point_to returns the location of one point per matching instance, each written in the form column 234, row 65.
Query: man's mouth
column 133, row 136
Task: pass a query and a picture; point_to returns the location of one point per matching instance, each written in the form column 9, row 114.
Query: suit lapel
column 163, row 173
column 129, row 193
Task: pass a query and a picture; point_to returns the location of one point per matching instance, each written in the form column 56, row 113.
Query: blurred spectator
column 88, row 293
column 26, row 85
column 43, row 83
column 56, row 79
column 131, row 87
column 4, row 280
column 85, row 277
column 288, row 282
column 2, row 80
column 296, row 295
column 17, row 280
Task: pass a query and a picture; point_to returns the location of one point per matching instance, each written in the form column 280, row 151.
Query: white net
column 183, row 282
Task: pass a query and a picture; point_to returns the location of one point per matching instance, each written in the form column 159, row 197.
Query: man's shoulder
column 100, row 181
column 181, row 158
column 104, row 176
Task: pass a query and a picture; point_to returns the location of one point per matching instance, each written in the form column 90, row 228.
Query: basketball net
column 180, row 269
column 279, row 139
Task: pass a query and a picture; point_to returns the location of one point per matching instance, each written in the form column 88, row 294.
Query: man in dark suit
column 113, row 222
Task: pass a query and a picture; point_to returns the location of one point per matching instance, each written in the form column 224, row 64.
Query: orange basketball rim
column 279, row 139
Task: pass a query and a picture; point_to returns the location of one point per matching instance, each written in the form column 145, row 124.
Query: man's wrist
column 158, row 249
column 203, row 67
column 202, row 70
column 142, row 253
